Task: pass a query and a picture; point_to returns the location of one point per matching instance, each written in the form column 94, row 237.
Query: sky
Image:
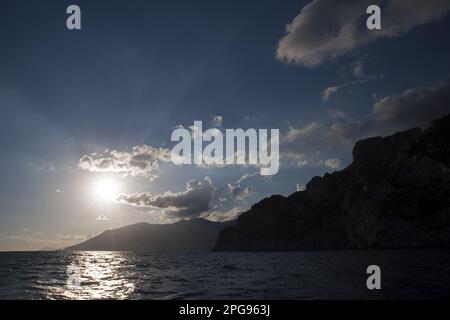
column 86, row 110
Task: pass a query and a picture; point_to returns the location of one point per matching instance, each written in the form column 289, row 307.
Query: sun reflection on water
column 99, row 275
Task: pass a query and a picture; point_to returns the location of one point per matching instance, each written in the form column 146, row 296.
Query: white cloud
column 296, row 133
column 238, row 192
column 223, row 215
column 294, row 157
column 72, row 237
column 141, row 161
column 301, row 187
column 246, row 176
column 332, row 163
column 327, row 29
column 328, row 92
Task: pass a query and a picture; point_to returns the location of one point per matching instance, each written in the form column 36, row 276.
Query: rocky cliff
column 395, row 193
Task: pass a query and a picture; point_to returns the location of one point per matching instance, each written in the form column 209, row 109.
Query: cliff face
column 395, row 193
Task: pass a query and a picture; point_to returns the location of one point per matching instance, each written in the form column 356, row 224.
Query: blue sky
column 138, row 69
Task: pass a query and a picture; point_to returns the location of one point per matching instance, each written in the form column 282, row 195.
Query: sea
column 404, row 274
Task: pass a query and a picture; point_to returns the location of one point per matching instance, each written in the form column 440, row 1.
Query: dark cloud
column 199, row 199
column 414, row 107
column 190, row 203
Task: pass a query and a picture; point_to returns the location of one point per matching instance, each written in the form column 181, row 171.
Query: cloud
column 414, row 107
column 300, row 187
column 300, row 144
column 332, row 163
column 310, row 144
column 102, row 218
column 59, row 191
column 294, row 157
column 358, row 68
column 223, row 215
column 337, row 114
column 296, row 133
column 328, row 92
column 238, row 192
column 327, row 29
column 190, row 203
column 346, row 131
column 141, row 161
column 217, row 121
column 199, row 199
column 246, row 176
column 355, row 74
column 71, row 237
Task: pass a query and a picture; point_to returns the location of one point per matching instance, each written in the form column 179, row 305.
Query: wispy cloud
column 328, row 92
column 331, row 163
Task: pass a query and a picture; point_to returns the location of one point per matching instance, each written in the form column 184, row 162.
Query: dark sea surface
column 405, row 274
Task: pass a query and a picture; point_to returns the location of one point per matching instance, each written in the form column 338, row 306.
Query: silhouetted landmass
column 48, row 249
column 395, row 193
column 197, row 235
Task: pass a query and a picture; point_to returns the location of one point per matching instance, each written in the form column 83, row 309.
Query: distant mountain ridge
column 198, row 235
column 395, row 193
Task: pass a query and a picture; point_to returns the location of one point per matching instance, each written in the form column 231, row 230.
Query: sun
column 106, row 189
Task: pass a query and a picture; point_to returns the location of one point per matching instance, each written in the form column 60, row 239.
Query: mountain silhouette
column 198, row 235
column 395, row 193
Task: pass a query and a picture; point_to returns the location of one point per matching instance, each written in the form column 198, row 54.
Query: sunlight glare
column 106, row 189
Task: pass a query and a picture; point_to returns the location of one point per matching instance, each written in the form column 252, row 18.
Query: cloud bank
column 189, row 203
column 199, row 199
